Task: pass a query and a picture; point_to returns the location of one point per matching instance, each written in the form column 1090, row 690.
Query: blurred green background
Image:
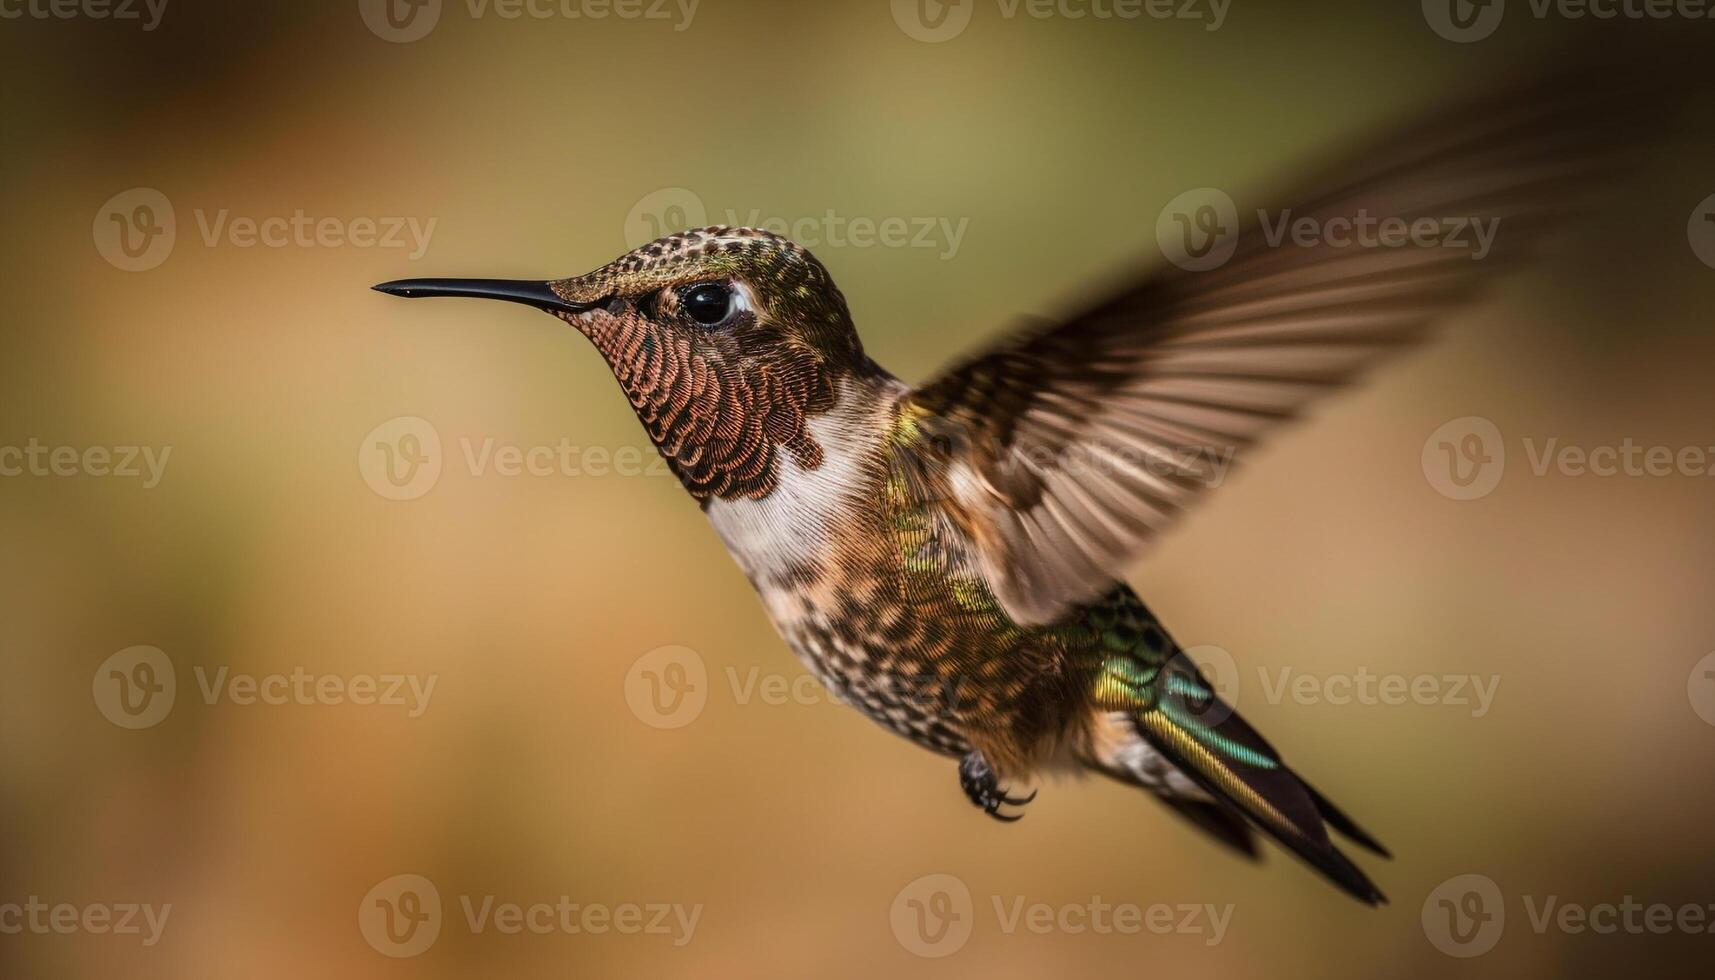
column 538, row 604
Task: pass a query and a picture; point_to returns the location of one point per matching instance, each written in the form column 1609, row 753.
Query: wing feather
column 1090, row 435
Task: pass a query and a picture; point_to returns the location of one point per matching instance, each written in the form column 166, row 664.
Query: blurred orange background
column 538, row 605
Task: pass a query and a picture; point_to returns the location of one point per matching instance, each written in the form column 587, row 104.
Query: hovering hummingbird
column 948, row 557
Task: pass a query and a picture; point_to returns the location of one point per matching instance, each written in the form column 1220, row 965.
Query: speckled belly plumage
column 863, row 670
column 929, row 655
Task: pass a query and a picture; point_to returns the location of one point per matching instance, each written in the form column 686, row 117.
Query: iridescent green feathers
column 1177, row 712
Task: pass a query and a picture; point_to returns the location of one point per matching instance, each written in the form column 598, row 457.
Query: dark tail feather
column 1336, row 818
column 1216, row 749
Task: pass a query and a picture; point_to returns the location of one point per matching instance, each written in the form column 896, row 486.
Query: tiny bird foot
column 983, row 788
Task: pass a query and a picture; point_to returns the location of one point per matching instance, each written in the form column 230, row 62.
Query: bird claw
column 983, row 788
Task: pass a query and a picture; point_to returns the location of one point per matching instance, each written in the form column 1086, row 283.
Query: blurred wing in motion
column 1070, row 447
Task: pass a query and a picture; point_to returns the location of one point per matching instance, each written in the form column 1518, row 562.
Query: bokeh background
column 542, row 607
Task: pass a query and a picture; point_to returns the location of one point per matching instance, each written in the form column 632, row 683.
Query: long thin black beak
column 526, row 291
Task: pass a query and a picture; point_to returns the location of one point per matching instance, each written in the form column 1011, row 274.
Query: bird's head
column 726, row 340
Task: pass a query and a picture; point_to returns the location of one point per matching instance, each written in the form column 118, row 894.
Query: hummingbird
column 949, row 556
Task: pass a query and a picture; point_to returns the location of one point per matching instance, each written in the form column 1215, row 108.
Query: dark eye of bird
column 708, row 303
